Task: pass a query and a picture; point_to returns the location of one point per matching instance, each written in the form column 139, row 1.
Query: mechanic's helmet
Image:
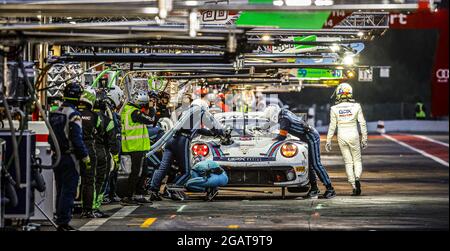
column 200, row 102
column 102, row 98
column 115, row 95
column 153, row 95
column 89, row 96
column 164, row 97
column 271, row 112
column 344, row 91
column 140, row 98
column 73, row 91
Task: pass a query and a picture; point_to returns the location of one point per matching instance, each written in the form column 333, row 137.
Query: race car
column 254, row 158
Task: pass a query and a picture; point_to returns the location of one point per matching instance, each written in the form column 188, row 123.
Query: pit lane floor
column 402, row 190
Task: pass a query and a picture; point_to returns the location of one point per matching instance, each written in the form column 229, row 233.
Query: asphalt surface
column 402, row 190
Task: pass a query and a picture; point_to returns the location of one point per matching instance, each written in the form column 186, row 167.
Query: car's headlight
column 289, row 150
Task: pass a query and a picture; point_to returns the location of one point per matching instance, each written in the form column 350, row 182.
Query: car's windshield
column 250, row 127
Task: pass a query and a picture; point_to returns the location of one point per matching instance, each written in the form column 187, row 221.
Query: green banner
column 318, row 73
column 283, row 20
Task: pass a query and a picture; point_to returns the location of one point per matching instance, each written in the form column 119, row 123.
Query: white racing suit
column 345, row 116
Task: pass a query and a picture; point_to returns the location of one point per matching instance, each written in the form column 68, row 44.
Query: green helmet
column 89, row 96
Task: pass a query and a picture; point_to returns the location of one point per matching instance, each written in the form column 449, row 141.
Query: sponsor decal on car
column 244, row 159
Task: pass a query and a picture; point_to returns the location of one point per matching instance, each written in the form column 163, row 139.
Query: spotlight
column 348, row 60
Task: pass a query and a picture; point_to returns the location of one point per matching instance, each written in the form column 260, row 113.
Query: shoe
column 154, row 196
column 88, row 214
column 178, row 196
column 66, row 227
column 100, row 214
column 129, row 202
column 354, row 193
column 211, row 193
column 106, row 201
column 115, row 199
column 329, row 193
column 142, row 200
column 358, row 187
column 313, row 193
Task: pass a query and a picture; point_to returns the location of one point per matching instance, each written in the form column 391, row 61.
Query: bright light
column 360, row 34
column 39, row 16
column 72, row 22
column 191, row 3
column 335, row 47
column 348, row 60
column 194, row 24
column 69, row 18
column 324, row 2
column 278, row 2
column 150, row 10
column 298, row 2
column 265, row 38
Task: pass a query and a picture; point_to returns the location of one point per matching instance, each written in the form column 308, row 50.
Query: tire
column 298, row 189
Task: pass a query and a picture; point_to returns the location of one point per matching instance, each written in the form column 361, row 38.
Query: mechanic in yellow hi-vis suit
column 345, row 115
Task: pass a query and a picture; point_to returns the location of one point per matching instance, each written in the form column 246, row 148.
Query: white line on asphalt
column 431, row 140
column 181, row 209
column 93, row 224
column 445, row 163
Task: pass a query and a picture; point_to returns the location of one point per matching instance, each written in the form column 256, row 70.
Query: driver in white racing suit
column 345, row 115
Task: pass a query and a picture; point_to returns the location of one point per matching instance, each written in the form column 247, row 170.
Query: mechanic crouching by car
column 292, row 124
column 207, row 176
column 177, row 148
column 66, row 123
column 345, row 115
column 135, row 143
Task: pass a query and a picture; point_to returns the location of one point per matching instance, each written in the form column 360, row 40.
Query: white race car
column 254, row 158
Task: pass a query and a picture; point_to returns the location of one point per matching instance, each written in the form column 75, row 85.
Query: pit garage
column 234, row 59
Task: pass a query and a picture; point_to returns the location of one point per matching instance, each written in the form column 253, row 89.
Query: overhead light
column 335, row 47
column 194, row 24
column 266, row 38
column 360, row 34
column 191, row 3
column 150, row 10
column 298, row 2
column 324, row 2
column 278, row 2
column 348, row 60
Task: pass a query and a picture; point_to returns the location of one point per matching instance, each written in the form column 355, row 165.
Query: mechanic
column 135, row 142
column 66, row 122
column 290, row 123
column 420, row 110
column 177, row 148
column 106, row 144
column 207, row 176
column 91, row 127
column 115, row 97
column 345, row 115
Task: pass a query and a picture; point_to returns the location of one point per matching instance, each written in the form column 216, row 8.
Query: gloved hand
column 328, row 146
column 116, row 160
column 364, row 144
column 87, row 162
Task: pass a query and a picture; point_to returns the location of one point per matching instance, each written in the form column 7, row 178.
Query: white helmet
column 166, row 124
column 344, row 91
column 140, row 98
column 115, row 95
column 271, row 112
column 202, row 103
column 89, row 96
